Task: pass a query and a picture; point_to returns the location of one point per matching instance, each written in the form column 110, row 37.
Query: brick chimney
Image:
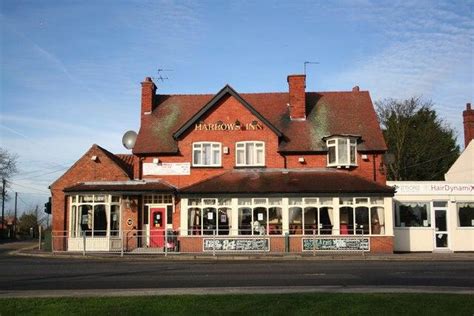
column 468, row 115
column 148, row 93
column 297, row 86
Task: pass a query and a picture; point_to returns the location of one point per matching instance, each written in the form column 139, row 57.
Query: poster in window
column 210, row 216
column 260, row 216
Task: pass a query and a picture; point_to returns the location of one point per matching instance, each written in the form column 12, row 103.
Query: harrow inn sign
column 237, row 126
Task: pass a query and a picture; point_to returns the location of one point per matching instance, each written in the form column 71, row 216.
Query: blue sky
column 71, row 70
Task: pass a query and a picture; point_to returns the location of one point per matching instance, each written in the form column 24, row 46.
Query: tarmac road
column 45, row 274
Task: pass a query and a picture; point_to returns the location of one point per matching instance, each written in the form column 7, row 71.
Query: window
column 95, row 215
column 466, row 214
column 341, row 151
column 361, row 220
column 412, row 215
column 207, row 154
column 250, row 154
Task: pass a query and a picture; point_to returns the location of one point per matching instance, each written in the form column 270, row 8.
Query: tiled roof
column 121, row 186
column 320, row 181
column 328, row 113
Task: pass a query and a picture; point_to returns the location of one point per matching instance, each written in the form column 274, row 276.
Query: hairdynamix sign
column 431, row 188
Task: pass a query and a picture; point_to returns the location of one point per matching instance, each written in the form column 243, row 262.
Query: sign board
column 431, row 188
column 236, row 244
column 167, row 169
column 336, row 244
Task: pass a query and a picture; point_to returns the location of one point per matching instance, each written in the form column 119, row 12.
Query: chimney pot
column 468, row 120
column 148, row 94
column 355, row 89
column 297, row 92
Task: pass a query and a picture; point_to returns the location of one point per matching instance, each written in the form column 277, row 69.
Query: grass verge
column 262, row 304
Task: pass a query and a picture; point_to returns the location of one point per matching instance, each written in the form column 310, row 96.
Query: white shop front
column 433, row 216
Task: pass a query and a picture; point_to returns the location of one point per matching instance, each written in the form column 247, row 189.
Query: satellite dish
column 128, row 139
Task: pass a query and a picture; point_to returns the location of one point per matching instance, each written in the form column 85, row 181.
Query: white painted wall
column 422, row 238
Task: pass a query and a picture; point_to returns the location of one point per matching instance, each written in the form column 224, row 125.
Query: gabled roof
column 462, row 170
column 315, row 181
column 123, row 161
column 227, row 90
column 328, row 113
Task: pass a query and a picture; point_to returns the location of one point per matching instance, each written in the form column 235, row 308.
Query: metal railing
column 215, row 241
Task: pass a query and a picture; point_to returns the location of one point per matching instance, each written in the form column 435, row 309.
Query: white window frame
column 244, row 149
column 351, row 145
column 212, row 163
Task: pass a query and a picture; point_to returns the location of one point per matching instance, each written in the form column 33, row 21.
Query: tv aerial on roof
column 309, row 62
column 162, row 76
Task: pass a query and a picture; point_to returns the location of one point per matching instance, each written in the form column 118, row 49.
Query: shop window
column 341, row 151
column 100, row 221
column 245, row 221
column 194, row 221
column 377, row 220
column 346, row 217
column 259, row 225
column 223, row 220
column 296, row 220
column 95, row 215
column 362, row 220
column 209, row 220
column 311, row 222
column 85, row 218
column 207, row 154
column 325, row 220
column 169, row 214
column 114, row 220
column 412, row 215
column 275, row 226
column 249, row 154
column 73, row 221
column 466, row 214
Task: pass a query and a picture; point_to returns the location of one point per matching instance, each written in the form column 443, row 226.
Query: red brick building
column 289, row 171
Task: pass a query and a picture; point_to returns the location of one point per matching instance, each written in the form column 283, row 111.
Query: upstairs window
column 342, row 151
column 249, row 154
column 207, row 154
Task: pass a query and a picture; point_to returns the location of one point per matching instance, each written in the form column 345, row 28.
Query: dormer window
column 341, row 151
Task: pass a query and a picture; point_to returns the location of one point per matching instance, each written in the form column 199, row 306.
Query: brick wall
column 83, row 170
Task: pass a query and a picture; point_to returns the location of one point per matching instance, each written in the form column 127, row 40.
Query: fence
column 211, row 241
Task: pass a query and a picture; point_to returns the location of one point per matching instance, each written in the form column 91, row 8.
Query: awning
column 320, row 181
column 136, row 186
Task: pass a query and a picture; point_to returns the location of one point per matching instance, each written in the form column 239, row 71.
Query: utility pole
column 14, row 219
column 3, row 208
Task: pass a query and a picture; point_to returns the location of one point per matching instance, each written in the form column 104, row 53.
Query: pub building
column 234, row 172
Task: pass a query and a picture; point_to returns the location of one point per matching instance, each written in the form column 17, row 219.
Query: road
column 32, row 273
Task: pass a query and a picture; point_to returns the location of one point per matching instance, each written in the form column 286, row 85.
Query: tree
column 28, row 224
column 7, row 166
column 423, row 145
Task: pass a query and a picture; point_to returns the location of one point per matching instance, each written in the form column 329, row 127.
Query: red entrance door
column 157, row 227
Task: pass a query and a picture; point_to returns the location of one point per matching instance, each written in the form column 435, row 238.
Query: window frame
column 458, row 209
column 333, row 142
column 201, row 149
column 255, row 150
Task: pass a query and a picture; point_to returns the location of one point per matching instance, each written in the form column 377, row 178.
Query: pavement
column 31, row 249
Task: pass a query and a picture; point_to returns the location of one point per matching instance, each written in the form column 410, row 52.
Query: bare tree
column 8, row 167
